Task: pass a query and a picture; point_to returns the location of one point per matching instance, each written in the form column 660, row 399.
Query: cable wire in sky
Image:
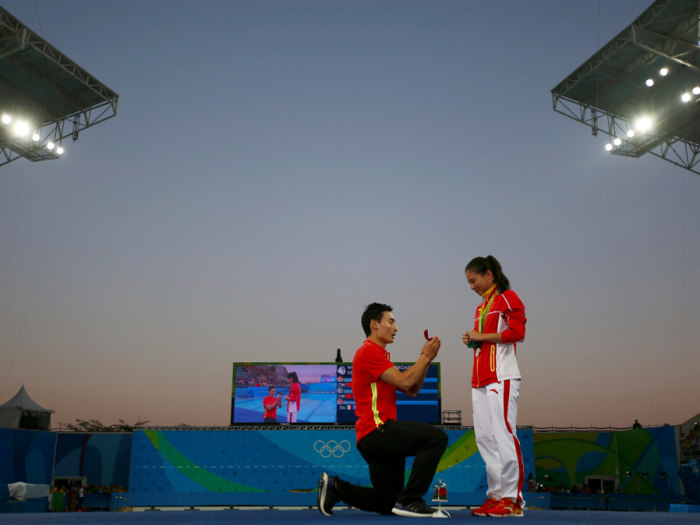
column 627, row 289
column 36, row 277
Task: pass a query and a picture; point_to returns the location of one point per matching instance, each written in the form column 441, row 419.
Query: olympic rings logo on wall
column 333, row 448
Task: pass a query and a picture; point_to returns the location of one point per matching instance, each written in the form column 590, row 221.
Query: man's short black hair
column 373, row 312
column 271, row 388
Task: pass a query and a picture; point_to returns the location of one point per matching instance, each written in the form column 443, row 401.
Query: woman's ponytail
column 481, row 265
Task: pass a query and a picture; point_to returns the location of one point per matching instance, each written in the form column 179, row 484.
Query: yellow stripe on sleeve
column 375, row 412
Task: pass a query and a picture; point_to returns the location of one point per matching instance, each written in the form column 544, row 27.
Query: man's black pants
column 385, row 450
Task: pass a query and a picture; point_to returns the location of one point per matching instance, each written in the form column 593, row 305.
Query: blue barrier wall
column 102, row 458
column 279, row 467
column 26, row 455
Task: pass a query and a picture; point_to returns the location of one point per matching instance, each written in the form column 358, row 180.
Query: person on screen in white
column 384, row 442
column 499, row 325
column 294, row 397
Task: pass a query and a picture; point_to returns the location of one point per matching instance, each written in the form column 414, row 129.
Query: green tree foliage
column 93, row 425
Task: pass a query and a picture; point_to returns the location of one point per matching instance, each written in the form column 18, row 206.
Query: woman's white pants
column 495, row 411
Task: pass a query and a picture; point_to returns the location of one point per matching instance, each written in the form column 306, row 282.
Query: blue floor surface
column 346, row 517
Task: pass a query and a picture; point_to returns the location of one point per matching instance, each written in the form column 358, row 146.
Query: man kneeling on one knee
column 384, row 442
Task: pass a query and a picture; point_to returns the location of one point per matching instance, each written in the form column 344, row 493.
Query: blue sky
column 276, row 166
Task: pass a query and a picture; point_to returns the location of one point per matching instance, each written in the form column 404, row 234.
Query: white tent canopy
column 22, row 412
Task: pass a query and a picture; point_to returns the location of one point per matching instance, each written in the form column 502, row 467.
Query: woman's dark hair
column 294, row 376
column 373, row 312
column 481, row 265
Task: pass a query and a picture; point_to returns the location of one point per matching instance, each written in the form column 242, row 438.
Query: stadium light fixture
column 696, row 90
column 663, row 72
column 617, row 141
column 608, row 147
column 6, row 119
column 21, row 129
column 59, row 150
column 630, row 133
column 686, row 97
column 50, row 146
column 36, row 137
column 643, row 124
column 650, row 82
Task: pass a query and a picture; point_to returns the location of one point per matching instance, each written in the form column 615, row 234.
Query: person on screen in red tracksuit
column 294, row 397
column 498, row 326
column 382, row 441
column 271, row 403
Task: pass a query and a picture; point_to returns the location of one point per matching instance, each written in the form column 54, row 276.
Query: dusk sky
column 274, row 167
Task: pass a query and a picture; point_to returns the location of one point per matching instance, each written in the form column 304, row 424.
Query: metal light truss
column 678, row 151
column 608, row 92
column 42, row 85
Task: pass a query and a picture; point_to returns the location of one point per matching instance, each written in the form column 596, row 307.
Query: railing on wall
column 119, row 503
column 687, row 455
column 582, row 429
column 451, row 417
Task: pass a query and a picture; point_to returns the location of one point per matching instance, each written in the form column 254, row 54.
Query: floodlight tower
column 645, row 86
column 40, row 91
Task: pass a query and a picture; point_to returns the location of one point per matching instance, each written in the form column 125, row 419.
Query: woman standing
column 499, row 325
column 294, row 397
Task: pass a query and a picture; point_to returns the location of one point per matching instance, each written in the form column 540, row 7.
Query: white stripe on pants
column 496, row 437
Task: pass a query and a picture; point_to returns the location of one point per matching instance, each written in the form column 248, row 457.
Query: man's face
column 272, row 392
column 386, row 329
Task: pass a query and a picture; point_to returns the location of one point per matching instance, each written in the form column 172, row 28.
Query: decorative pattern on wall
column 102, row 458
column 286, row 461
column 26, row 455
column 569, row 457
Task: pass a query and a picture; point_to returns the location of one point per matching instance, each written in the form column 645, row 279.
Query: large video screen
column 263, row 393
